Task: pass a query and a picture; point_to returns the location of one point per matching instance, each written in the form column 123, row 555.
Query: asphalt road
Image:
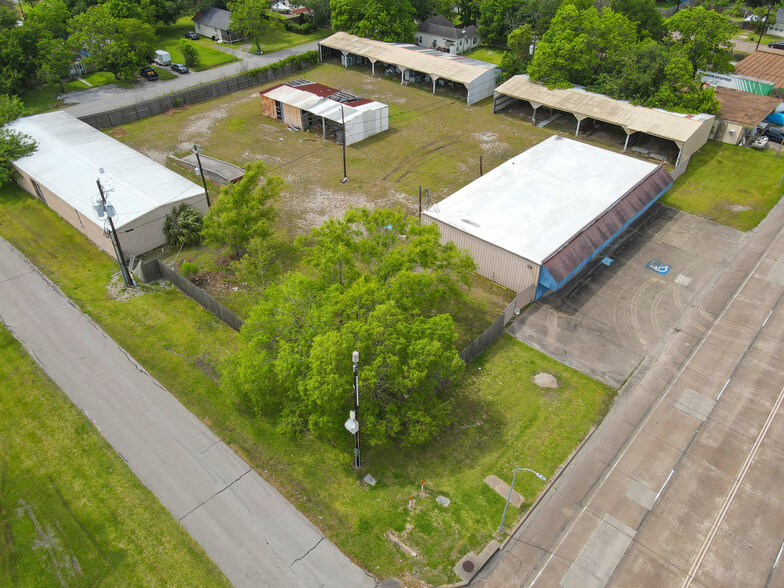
column 255, row 536
column 681, row 484
column 103, row 98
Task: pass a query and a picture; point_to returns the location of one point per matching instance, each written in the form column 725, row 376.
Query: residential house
column 214, row 23
column 440, row 33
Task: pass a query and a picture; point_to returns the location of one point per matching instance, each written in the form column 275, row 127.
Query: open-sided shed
column 740, row 114
column 305, row 105
column 536, row 220
column 63, row 170
column 414, row 63
column 689, row 132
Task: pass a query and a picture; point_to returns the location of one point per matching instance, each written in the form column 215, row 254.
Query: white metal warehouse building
column 63, row 170
column 415, row 63
column 305, row 104
column 536, row 220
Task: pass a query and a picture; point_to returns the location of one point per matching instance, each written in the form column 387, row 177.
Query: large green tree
column 321, row 12
column 13, row 144
column 253, row 19
column 384, row 20
column 644, row 14
column 244, row 209
column 704, row 36
column 54, row 60
column 515, row 60
column 117, row 45
column 373, row 282
column 52, row 15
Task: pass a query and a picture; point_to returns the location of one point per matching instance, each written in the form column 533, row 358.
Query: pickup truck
column 149, row 73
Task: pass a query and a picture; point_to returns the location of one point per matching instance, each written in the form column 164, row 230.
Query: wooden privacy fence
column 127, row 114
column 155, row 269
column 483, row 341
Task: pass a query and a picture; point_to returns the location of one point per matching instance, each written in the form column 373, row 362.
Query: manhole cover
column 468, row 566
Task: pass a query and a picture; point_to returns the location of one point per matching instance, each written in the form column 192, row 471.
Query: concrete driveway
column 255, row 536
column 617, row 314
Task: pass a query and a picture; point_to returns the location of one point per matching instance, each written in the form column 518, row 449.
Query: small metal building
column 689, row 132
column 63, row 170
column 304, row 105
column 415, row 64
column 740, row 114
column 536, row 220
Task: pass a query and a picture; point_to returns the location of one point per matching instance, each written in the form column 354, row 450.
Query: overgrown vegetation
column 71, row 512
column 183, row 226
column 13, row 144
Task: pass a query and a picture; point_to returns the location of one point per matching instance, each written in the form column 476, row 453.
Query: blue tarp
column 777, row 118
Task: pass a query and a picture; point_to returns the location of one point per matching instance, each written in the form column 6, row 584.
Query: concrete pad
column 744, row 414
column 695, row 404
column 767, row 350
column 649, row 460
column 756, row 521
column 761, row 291
column 766, row 475
column 641, row 494
column 600, row 555
column 721, row 447
column 643, row 568
column 730, row 562
column 671, row 425
column 776, row 273
column 503, row 488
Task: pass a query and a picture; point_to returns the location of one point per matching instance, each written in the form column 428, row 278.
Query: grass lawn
column 278, row 39
column 501, row 419
column 752, row 37
column 730, row 185
column 489, row 54
column 71, row 511
column 169, row 40
column 163, row 72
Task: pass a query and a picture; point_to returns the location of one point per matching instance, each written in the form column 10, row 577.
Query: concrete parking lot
column 680, row 485
column 617, row 314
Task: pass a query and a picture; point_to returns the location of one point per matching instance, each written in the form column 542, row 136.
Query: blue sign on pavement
column 657, row 266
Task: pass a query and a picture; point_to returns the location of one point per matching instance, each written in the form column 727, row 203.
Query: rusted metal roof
column 744, row 108
column 606, row 226
column 765, row 65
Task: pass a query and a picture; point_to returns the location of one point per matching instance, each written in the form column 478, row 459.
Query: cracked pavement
column 251, row 532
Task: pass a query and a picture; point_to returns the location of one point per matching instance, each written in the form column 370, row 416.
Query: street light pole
column 195, row 149
column 121, row 256
column 508, row 498
column 355, row 359
column 343, row 119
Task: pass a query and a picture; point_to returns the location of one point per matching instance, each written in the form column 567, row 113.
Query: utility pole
column 420, row 203
column 355, row 359
column 343, row 119
column 118, row 249
column 764, row 27
column 195, row 149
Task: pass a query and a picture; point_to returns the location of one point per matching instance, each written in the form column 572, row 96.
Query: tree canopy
column 373, row 282
column 606, row 52
column 244, row 209
column 384, row 20
column 117, row 45
column 13, row 144
column 252, row 18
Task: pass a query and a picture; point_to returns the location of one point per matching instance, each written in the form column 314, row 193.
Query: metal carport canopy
column 463, row 70
column 318, row 105
column 675, row 127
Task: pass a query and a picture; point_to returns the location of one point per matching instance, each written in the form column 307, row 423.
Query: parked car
column 149, row 73
column 775, row 134
column 180, row 68
column 191, row 35
column 760, row 143
column 776, row 44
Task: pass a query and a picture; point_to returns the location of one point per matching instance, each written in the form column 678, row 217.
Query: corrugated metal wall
column 146, row 232
column 496, row 264
column 268, row 107
column 483, row 86
column 90, row 227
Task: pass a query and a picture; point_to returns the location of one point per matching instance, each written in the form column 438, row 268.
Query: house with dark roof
column 214, row 23
column 440, row 33
column 740, row 115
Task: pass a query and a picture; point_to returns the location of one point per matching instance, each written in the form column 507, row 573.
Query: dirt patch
column 157, row 156
column 324, row 204
column 119, row 132
column 200, row 125
column 117, row 290
column 489, row 142
column 738, row 207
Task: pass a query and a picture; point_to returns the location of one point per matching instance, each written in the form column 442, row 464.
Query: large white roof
column 318, row 105
column 535, row 202
column 68, row 158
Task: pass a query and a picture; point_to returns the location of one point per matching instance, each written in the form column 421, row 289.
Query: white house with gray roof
column 214, row 23
column 440, row 33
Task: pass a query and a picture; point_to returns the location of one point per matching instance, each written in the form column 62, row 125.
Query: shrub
column 189, row 53
column 189, row 269
column 183, row 226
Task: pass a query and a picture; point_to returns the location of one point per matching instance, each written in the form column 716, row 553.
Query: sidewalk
column 253, row 534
